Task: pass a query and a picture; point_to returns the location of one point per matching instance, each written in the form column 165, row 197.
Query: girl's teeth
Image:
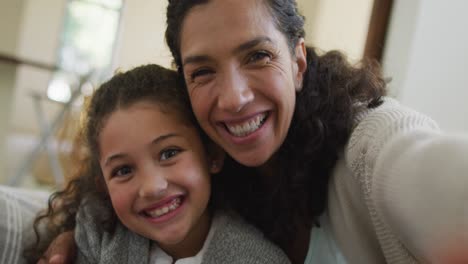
column 247, row 127
column 166, row 209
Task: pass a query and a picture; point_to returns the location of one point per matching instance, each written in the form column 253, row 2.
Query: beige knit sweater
column 400, row 192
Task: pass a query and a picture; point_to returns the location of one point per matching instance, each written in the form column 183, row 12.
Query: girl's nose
column 153, row 183
column 234, row 92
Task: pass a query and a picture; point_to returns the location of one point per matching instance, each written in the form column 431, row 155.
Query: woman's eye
column 200, row 75
column 122, row 171
column 259, row 57
column 169, row 153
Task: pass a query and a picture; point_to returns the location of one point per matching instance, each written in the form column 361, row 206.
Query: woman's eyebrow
column 196, row 59
column 242, row 47
column 252, row 43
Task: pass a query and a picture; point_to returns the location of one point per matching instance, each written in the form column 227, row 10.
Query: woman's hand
column 61, row 250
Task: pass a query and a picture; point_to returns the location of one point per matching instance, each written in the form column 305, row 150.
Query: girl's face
column 241, row 77
column 158, row 177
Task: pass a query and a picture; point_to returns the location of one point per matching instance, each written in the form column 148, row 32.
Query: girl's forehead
column 175, row 110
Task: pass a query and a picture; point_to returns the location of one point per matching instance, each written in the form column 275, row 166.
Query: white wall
column 427, row 56
column 141, row 38
column 38, row 40
column 10, row 15
column 32, row 29
column 337, row 24
column 10, row 23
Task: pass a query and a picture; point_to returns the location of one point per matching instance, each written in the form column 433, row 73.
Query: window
column 87, row 44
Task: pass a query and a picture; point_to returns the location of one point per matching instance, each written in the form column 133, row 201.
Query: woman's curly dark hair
column 150, row 83
column 333, row 92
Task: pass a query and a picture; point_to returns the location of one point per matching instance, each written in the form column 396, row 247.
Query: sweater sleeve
column 235, row 241
column 88, row 235
column 96, row 245
column 421, row 191
column 412, row 179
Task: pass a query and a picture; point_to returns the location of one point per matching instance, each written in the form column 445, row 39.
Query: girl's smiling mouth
column 168, row 208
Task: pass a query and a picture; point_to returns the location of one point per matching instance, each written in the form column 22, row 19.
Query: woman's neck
column 297, row 251
column 269, row 168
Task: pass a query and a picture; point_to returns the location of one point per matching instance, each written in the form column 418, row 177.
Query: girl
column 144, row 196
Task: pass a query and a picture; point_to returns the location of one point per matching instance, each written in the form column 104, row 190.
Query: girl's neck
column 193, row 242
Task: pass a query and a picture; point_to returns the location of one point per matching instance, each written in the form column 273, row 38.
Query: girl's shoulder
column 98, row 244
column 236, row 241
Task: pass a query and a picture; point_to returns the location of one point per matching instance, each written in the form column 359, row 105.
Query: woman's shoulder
column 390, row 114
column 392, row 152
column 378, row 126
column 236, row 241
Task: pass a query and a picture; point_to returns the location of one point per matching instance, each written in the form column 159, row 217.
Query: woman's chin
column 253, row 160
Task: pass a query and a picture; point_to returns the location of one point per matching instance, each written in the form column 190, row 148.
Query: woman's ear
column 300, row 63
column 216, row 158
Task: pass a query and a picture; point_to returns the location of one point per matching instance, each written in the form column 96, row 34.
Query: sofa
column 18, row 208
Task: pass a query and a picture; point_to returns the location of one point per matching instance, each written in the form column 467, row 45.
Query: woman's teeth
column 165, row 209
column 244, row 129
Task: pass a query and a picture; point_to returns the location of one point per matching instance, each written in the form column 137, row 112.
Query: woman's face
column 241, row 76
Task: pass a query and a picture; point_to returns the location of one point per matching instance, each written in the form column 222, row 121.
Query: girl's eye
column 201, row 75
column 124, row 170
column 259, row 57
column 168, row 153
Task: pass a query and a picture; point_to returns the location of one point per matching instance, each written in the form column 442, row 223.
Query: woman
column 336, row 162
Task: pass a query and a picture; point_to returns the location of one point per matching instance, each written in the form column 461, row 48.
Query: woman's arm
column 61, row 250
column 420, row 190
column 412, row 178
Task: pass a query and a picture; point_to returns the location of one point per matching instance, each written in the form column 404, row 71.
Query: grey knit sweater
column 233, row 242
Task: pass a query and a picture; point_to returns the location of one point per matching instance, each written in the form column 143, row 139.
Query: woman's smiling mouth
column 247, row 127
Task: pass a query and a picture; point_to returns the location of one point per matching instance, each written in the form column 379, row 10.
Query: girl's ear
column 300, row 63
column 216, row 158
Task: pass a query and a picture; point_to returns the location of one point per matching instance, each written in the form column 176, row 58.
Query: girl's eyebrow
column 164, row 137
column 114, row 157
column 154, row 142
column 242, row 47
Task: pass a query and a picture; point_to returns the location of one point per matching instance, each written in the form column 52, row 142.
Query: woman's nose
column 153, row 183
column 234, row 93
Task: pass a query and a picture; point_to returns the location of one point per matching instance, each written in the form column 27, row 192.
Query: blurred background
column 55, row 52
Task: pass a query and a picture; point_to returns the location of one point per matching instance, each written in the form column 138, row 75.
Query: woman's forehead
column 223, row 15
column 223, row 25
